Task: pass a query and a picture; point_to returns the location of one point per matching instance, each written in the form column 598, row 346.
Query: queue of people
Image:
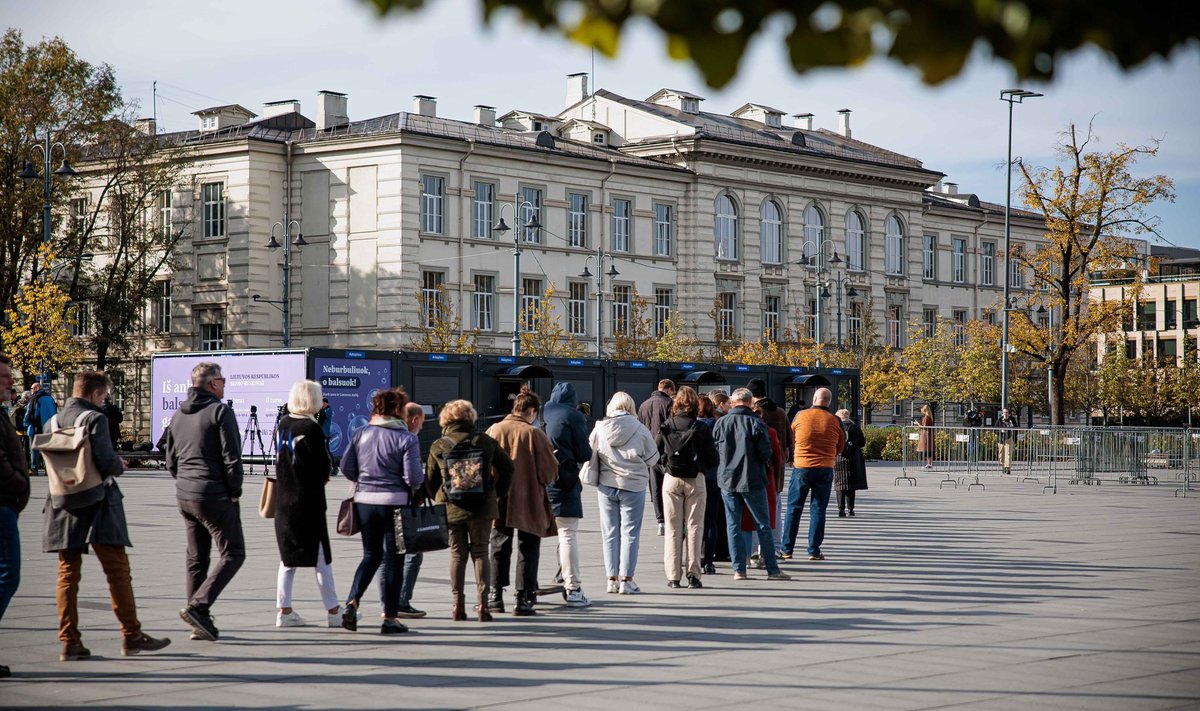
column 712, row 465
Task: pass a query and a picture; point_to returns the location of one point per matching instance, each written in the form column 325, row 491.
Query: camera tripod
column 254, row 433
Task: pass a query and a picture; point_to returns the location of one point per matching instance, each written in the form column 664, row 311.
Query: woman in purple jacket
column 384, row 462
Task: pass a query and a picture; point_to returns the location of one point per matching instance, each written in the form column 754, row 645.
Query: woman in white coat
column 626, row 451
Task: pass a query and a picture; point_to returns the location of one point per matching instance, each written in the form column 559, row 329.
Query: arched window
column 771, row 233
column 854, row 241
column 814, row 231
column 893, row 257
column 725, row 228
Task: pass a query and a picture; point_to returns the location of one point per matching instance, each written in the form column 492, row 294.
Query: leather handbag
column 422, row 529
column 266, row 500
column 589, row 473
column 347, row 520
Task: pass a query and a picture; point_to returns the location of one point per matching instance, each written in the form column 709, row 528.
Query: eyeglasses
column 216, row 379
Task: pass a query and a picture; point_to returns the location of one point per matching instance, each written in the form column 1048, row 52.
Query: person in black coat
column 115, row 418
column 851, row 472
column 653, row 412
column 302, row 468
column 568, row 432
column 685, row 443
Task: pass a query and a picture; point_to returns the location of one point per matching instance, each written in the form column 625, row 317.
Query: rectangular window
column 929, row 321
column 433, row 189
column 80, row 319
column 893, row 255
column 663, row 301
column 811, row 319
column 166, row 219
column 987, row 264
column 531, row 213
column 895, row 326
column 960, row 261
column 989, row 318
column 621, row 307
column 531, row 298
column 663, row 221
column 771, row 308
column 854, row 323
column 79, row 211
column 212, row 204
column 1189, row 314
column 1016, row 274
column 620, row 225
column 727, row 315
column 929, row 257
column 1131, row 349
column 960, row 327
column 212, row 337
column 577, row 220
column 483, row 302
column 1169, row 320
column 897, row 408
column 118, row 390
column 160, row 311
column 577, row 309
column 1168, row 352
column 432, row 286
column 1147, row 319
column 482, row 209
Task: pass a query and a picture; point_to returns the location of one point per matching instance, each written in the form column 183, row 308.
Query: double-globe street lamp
column 520, row 209
column 839, row 282
column 612, row 272
column 30, row 175
column 818, row 258
column 284, row 304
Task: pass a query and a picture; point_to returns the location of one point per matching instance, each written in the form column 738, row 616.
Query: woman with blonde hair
column 302, row 469
column 626, row 451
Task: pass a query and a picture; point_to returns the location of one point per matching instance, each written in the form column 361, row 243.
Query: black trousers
column 656, row 480
column 529, row 550
column 714, row 526
column 209, row 522
column 844, row 498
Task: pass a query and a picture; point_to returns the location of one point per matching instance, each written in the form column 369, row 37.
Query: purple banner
column 349, row 384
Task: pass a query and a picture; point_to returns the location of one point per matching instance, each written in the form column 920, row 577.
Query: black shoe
column 5, row 672
column 524, row 606
column 851, row 513
column 841, row 513
column 143, row 643
column 673, row 584
column 350, row 618
column 201, row 622
column 710, row 569
column 495, row 601
column 392, row 627
column 410, row 612
column 694, row 583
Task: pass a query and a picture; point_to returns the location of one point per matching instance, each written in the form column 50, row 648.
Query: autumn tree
column 977, row 378
column 677, row 342
column 38, row 337
column 633, row 335
column 1091, row 204
column 546, row 337
column 931, row 363
column 441, row 330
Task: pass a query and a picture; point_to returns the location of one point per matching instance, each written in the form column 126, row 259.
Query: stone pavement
column 996, row 599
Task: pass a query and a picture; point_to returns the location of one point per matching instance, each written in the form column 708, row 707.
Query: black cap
column 757, row 387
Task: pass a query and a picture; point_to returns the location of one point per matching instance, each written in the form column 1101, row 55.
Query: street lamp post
column 285, row 303
column 612, row 272
column 30, row 175
column 1023, row 303
column 839, row 282
column 819, row 259
column 518, row 206
column 1012, row 96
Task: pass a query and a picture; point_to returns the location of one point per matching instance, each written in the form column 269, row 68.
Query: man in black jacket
column 14, row 494
column 652, row 413
column 204, row 454
column 567, row 429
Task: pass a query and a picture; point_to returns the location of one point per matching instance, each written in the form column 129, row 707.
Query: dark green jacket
column 499, row 461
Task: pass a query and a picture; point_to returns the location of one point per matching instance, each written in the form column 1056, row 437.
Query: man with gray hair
column 204, row 454
column 745, row 450
column 819, row 438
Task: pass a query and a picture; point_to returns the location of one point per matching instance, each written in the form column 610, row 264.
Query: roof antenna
column 592, row 81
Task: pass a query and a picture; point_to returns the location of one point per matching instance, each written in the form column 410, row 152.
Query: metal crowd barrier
column 1049, row 455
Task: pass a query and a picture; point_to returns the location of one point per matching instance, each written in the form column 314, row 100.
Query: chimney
column 425, row 105
column 279, row 108
column 485, row 115
column 951, row 188
column 146, row 125
column 577, row 88
column 804, row 121
column 331, row 110
column 844, row 122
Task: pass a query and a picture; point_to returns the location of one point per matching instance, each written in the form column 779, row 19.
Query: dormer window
column 539, row 126
column 775, row 120
column 208, row 123
column 691, row 106
column 598, row 138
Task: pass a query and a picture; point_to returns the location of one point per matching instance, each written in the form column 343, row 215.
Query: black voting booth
column 500, row 379
column 432, row 380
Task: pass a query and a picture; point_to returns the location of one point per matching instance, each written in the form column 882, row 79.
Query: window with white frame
column 725, row 228
column 771, row 315
column 531, row 213
column 577, row 308
column 727, row 315
column 663, row 301
column 814, row 231
column 212, row 209
column 897, row 408
column 483, row 302
column 770, row 228
column 118, row 388
column 663, row 220
column 212, row 336
column 483, row 209
column 166, row 218
column 810, row 320
column 1016, row 273
column 622, row 306
column 895, row 326
column 79, row 211
column 893, row 236
column 929, row 258
column 960, row 326
column 432, row 285
column 621, row 223
column 433, row 195
column 160, row 307
column 987, row 264
column 531, row 299
column 929, row 321
column 577, row 220
column 854, row 323
column 959, row 267
column 855, row 241
column 79, row 315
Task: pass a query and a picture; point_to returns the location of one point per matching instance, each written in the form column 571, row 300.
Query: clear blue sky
column 253, row 51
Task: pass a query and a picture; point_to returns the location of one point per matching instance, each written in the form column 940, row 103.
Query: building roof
column 531, row 114
column 226, row 107
column 676, row 92
column 751, row 105
column 970, row 201
column 590, row 124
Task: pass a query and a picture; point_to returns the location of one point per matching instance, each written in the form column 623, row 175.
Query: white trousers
column 283, row 587
column 568, row 551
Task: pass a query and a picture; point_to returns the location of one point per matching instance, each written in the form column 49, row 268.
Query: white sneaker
column 628, row 587
column 661, row 529
column 576, row 598
column 613, row 586
column 291, row 619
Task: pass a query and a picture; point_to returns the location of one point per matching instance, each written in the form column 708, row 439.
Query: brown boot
column 143, row 643
column 484, row 614
column 459, row 613
column 73, row 651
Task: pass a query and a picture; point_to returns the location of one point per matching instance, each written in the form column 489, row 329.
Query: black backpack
column 468, row 474
column 681, row 457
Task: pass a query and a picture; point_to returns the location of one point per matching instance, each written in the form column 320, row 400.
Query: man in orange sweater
column 819, row 438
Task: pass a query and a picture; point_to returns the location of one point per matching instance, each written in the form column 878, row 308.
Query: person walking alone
column 14, row 495
column 1005, row 439
column 653, row 412
column 38, row 414
column 925, row 438
column 204, row 455
column 685, row 446
column 851, row 474
column 819, row 439
column 567, row 429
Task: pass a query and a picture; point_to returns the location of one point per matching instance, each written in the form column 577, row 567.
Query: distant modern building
column 1163, row 324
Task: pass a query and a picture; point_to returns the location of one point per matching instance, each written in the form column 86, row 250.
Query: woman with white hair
column 626, row 451
column 302, row 469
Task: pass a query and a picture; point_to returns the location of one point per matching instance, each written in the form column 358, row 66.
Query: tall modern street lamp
column 1012, row 96
column 285, row 303
column 30, row 176
column 612, row 272
column 518, row 207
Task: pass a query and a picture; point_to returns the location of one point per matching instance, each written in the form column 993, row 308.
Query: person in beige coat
column 525, row 511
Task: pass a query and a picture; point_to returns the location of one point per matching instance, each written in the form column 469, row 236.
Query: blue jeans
column 412, row 568
column 10, row 557
column 819, row 481
column 379, row 548
column 756, row 503
column 620, row 528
